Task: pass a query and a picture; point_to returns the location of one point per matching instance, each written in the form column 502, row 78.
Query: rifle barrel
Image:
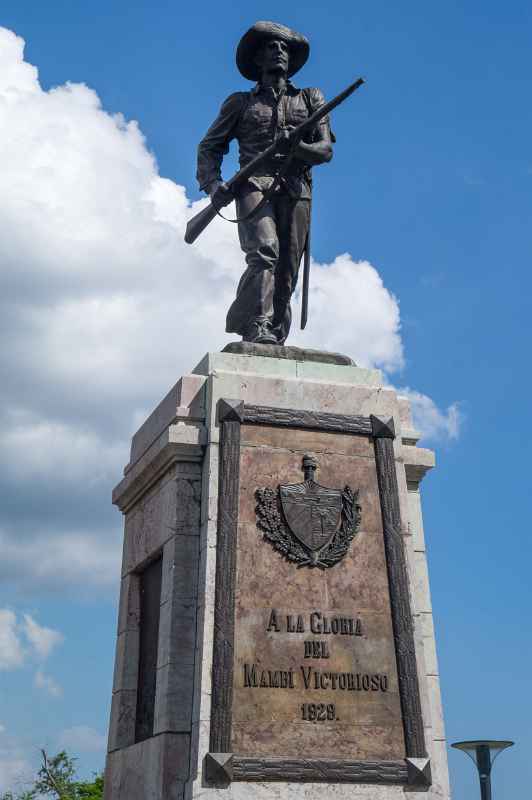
column 322, row 111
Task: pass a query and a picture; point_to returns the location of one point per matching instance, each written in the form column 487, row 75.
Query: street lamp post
column 483, row 753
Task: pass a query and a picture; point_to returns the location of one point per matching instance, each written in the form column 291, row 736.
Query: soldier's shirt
column 255, row 119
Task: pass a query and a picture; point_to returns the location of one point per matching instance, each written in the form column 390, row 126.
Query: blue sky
column 430, row 183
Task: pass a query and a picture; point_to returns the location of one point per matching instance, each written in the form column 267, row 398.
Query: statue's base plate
column 290, row 353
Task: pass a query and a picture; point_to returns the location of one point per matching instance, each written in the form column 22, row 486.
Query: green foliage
column 92, row 790
column 56, row 778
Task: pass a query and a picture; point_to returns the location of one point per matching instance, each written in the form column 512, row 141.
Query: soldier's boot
column 259, row 332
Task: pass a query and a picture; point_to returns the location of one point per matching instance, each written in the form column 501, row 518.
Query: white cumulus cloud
column 354, row 313
column 23, row 640
column 433, row 423
column 42, row 639
column 102, row 307
column 12, row 653
column 47, row 684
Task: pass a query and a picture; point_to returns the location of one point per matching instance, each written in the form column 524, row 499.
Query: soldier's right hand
column 284, row 141
column 220, row 194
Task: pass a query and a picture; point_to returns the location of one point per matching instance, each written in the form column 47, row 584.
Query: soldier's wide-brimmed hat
column 259, row 33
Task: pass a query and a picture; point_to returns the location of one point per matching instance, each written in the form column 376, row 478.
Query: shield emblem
column 312, row 512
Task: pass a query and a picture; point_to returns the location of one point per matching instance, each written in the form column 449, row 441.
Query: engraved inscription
column 316, row 622
column 316, row 649
column 318, row 712
column 347, row 626
column 268, row 678
column 311, row 678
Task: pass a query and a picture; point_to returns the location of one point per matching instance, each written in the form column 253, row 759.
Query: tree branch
column 51, row 777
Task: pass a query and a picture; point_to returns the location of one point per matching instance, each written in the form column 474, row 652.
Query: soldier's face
column 274, row 56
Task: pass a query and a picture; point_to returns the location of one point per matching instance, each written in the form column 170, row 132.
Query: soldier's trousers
column 273, row 242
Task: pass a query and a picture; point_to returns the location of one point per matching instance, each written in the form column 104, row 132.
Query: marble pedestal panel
column 169, row 733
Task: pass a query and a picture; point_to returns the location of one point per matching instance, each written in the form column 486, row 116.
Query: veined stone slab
column 226, row 722
column 287, row 368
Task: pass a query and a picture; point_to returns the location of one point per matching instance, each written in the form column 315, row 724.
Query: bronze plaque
column 314, row 671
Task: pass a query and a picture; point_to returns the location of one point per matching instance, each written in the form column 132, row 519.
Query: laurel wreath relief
column 271, row 521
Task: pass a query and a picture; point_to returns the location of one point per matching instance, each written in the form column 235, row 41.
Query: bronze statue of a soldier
column 273, row 204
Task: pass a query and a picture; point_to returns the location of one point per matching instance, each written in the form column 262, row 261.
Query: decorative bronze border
column 384, row 435
column 221, row 764
column 311, row 420
column 224, row 598
column 316, row 770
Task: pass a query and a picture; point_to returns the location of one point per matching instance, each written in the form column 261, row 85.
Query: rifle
column 199, row 222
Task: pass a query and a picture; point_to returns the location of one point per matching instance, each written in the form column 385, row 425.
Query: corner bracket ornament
column 219, row 767
column 419, row 772
column 309, row 524
column 382, row 428
column 230, row 410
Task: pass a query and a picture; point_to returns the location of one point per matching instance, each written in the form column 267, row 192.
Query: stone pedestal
column 200, row 580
